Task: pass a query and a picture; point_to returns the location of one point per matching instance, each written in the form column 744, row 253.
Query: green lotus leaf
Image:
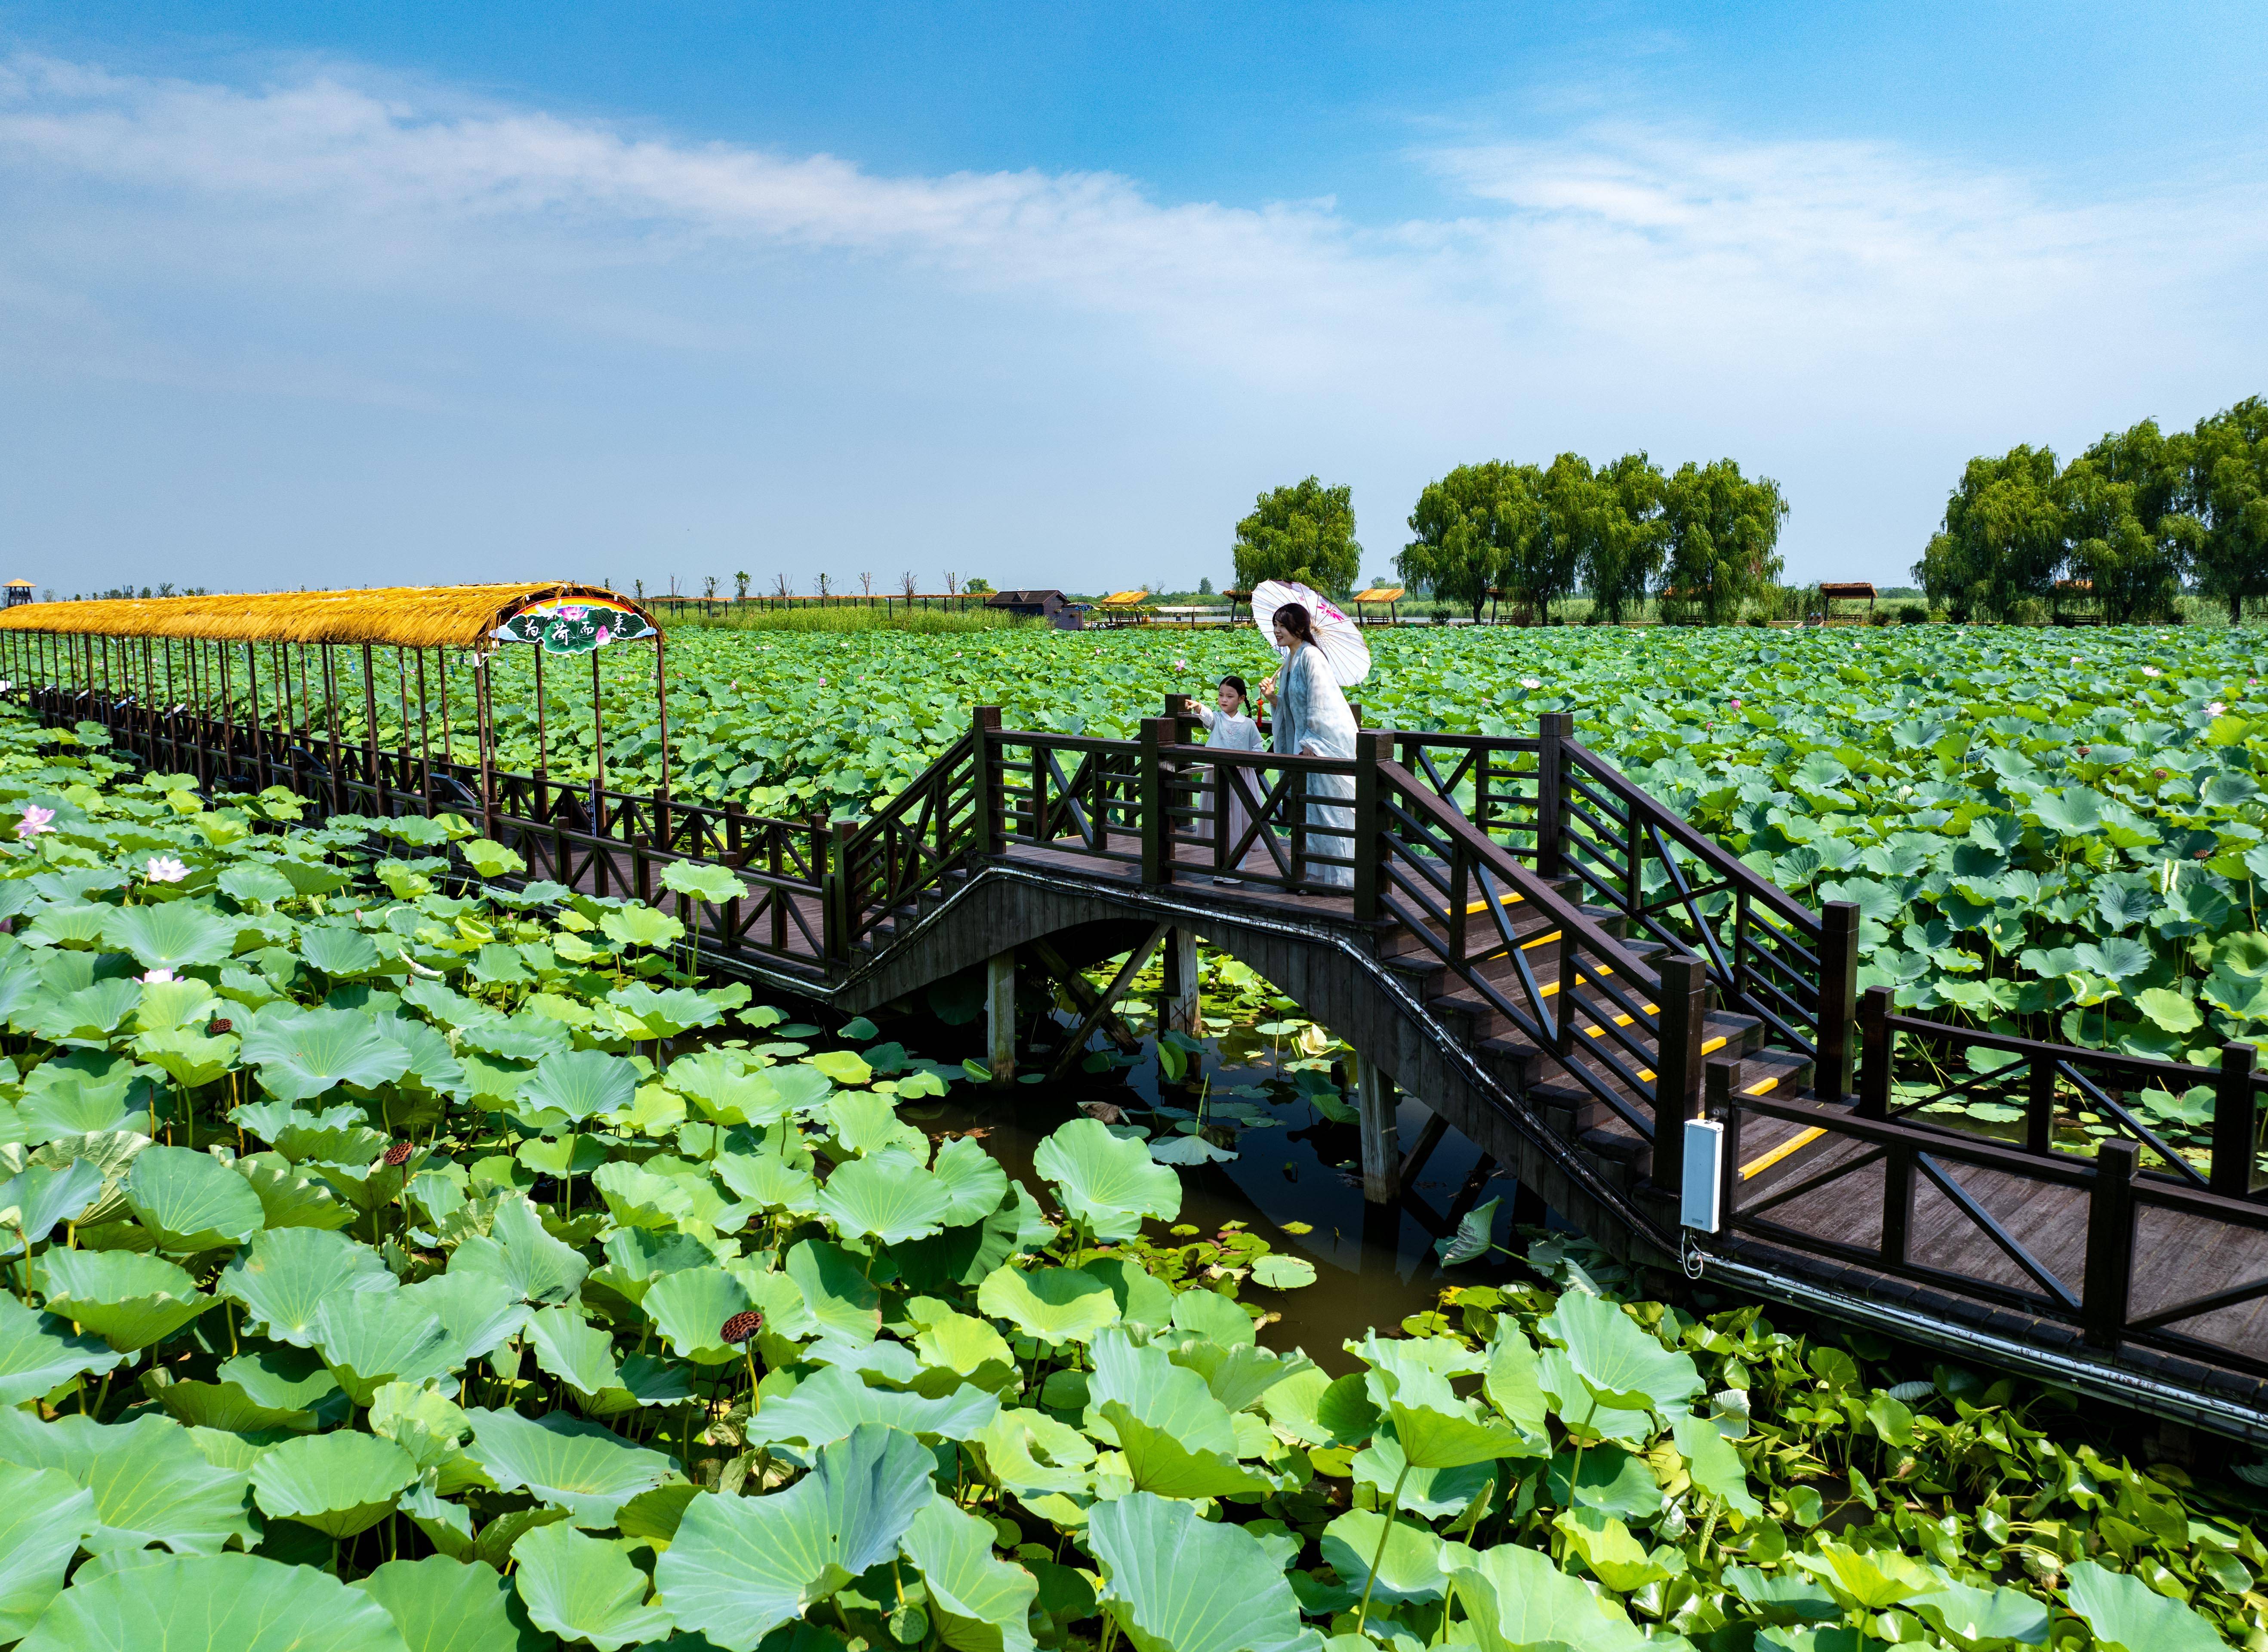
column 1411, row 1565
column 767, row 1180
column 71, row 926
column 426, row 1424
column 221, row 1603
column 1157, row 1461
column 641, row 926
column 740, row 1567
column 1715, row 1466
column 249, row 881
column 1429, row 1493
column 572, row 1348
column 583, row 1589
column 370, row 1337
column 1871, row 1579
column 833, row 1403
column 178, row 935
column 963, row 1345
column 567, row 1155
column 129, row 1301
column 446, row 1605
column 230, row 1408
column 187, row 1057
column 636, row 1258
column 528, row 1039
column 835, row 1291
column 726, row 1090
column 1517, row 1599
column 1966, row 1613
column 707, row 883
column 150, row 1481
column 972, row 1179
column 516, row 1251
column 689, row 1309
column 983, row 1603
column 339, row 1483
column 191, row 1201
column 589, row 1470
column 1614, row 1556
column 338, row 952
column 44, row 1514
column 479, row 1312
column 2125, row 1612
column 1322, row 1410
column 1622, row 1366
column 1283, row 1272
column 288, row 1197
column 1053, row 1304
column 88, row 1016
column 40, row 1197
column 1032, row 1455
column 308, row 1053
column 1514, row 1384
column 1434, row 1427
column 1107, row 1184
column 581, row 1084
column 285, row 1276
column 865, row 1122
column 1177, row 1582
column 887, row 1198
column 639, row 1197
column 841, row 1066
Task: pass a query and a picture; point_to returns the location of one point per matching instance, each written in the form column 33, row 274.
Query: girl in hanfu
column 1231, row 728
column 1313, row 719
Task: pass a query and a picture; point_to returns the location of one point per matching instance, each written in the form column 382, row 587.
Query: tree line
column 1701, row 540
column 2129, row 524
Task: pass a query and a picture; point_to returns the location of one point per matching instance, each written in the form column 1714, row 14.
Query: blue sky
column 328, row 295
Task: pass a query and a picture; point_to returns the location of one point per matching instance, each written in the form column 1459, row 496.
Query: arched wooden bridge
column 1510, row 931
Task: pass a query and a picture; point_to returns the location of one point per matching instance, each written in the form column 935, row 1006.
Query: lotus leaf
column 191, row 1201
column 1177, row 1582
column 370, row 1338
column 586, row 1591
column 1716, row 1467
column 150, row 1483
column 1411, row 1560
column 1107, row 1184
column 517, row 1252
column 833, row 1403
column 286, row 1277
column 835, row 1292
column 44, row 1514
column 129, row 1301
column 1622, row 1366
column 221, row 1603
column 443, row 1605
column 39, row 1198
column 178, row 935
column 581, row 1083
column 307, row 1053
column 983, row 1603
column 740, row 1567
column 338, row 1483
column 1055, row 1304
column 339, row 952
column 587, row 1469
column 1972, row 1614
column 2126, row 1614
column 887, row 1198
column 1516, row 1599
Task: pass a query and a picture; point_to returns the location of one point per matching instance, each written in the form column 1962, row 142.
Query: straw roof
column 409, row 617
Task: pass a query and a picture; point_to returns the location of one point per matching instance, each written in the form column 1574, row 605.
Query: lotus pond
column 396, row 1266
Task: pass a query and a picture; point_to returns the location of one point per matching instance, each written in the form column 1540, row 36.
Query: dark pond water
column 1374, row 1264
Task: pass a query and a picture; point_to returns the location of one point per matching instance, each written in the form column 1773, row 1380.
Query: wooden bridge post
column 1370, row 747
column 1722, row 1104
column 1839, row 998
column 1181, row 1011
column 1550, row 791
column 988, row 824
column 1874, row 1046
column 2104, row 1297
column 1000, row 1015
column 1685, row 1009
column 1157, row 840
column 1376, row 1098
column 2234, row 1113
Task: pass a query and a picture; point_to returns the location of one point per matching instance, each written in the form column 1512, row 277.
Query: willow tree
column 1304, row 532
column 1721, row 531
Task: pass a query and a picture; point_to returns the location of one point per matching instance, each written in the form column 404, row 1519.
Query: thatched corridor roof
column 406, row 616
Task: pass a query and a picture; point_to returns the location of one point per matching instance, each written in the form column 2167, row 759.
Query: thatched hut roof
column 408, row 616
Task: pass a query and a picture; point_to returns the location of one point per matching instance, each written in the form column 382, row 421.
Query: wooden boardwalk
column 1560, row 968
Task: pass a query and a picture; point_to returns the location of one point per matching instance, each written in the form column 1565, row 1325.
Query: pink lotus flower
column 1530, row 682
column 1736, row 705
column 2214, row 708
column 157, row 976
column 574, row 613
column 2151, row 671
column 165, row 869
column 36, row 820
column 604, row 635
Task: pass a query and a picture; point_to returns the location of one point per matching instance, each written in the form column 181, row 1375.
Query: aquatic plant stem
column 1393, row 1502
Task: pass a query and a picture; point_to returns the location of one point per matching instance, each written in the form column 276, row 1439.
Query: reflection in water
column 1375, row 1265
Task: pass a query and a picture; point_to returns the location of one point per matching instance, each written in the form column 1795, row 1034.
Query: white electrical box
column 1705, row 1175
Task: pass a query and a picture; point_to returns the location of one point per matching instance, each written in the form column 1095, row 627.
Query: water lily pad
column 191, row 1201
column 587, row 1469
column 583, row 1589
column 129, row 1301
column 339, row 1483
column 446, row 1605
column 285, row 1276
column 1173, row 1579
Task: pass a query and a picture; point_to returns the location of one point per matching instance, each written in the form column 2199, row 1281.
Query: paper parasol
column 1338, row 637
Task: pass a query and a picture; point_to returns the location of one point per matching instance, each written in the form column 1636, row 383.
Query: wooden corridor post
column 2234, row 1122
column 990, row 826
column 1179, row 1009
column 2109, row 1278
column 1684, row 1010
column 1375, row 1100
column 1550, row 791
column 1001, row 1015
column 1839, row 998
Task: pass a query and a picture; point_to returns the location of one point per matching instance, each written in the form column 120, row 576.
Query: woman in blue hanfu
column 1313, row 719
column 1230, row 727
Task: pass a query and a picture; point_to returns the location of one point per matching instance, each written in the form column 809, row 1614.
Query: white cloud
column 1830, row 311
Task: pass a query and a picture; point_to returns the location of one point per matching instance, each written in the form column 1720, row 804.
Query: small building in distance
column 19, row 591
column 1051, row 605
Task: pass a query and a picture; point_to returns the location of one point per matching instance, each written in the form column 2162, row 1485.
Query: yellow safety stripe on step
column 1765, row 1161
column 1646, row 1074
column 1473, row 908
